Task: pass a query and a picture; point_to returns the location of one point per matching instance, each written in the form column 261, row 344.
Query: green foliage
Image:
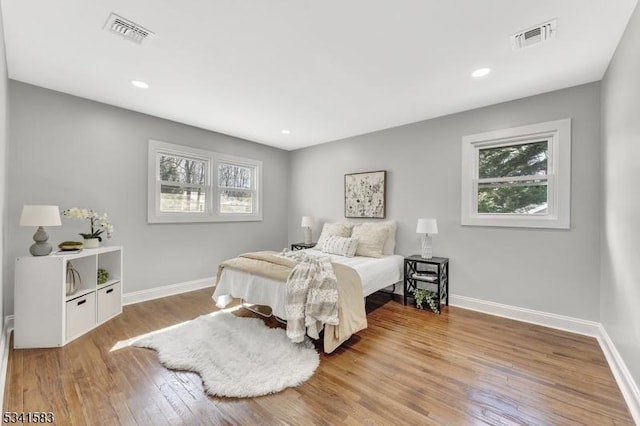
column 422, row 295
column 103, row 276
column 511, row 199
column 512, row 161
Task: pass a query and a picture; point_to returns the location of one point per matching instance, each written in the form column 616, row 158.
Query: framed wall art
column 364, row 194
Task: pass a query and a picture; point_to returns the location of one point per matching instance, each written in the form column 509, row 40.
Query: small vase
column 91, row 243
column 73, row 279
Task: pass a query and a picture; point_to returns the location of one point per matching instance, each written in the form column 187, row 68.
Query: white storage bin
column 109, row 302
column 81, row 315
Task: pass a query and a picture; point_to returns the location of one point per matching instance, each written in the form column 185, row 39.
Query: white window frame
column 211, row 212
column 257, row 177
column 558, row 135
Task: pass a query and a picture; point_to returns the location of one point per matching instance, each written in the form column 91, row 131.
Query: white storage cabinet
column 44, row 316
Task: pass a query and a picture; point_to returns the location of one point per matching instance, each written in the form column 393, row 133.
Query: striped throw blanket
column 312, row 295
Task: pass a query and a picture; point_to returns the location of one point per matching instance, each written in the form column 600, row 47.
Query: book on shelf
column 425, row 276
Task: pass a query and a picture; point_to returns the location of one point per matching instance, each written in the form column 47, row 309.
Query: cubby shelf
column 47, row 317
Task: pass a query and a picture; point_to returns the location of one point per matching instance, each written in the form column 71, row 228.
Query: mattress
column 375, row 273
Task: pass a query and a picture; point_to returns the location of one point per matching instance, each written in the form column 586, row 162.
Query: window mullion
column 513, row 179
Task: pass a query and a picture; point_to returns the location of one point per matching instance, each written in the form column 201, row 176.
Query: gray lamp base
column 41, row 246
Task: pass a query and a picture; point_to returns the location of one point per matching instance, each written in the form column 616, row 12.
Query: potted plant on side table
column 422, row 295
column 99, row 225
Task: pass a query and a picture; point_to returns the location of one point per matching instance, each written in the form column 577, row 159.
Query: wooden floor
column 408, row 367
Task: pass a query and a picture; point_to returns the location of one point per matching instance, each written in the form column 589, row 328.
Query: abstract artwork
column 364, row 195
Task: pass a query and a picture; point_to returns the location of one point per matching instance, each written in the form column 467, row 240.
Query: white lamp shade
column 307, row 222
column 40, row 216
column 427, row 226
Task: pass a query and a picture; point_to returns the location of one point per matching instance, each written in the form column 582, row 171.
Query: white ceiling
column 326, row 69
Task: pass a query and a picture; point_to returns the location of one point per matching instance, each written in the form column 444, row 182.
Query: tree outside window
column 518, row 177
column 193, row 185
column 513, row 179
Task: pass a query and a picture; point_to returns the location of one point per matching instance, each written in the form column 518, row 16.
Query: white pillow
column 340, row 245
column 390, row 243
column 336, row 229
column 371, row 238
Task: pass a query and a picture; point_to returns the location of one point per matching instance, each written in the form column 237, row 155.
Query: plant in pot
column 422, row 295
column 103, row 276
column 99, row 225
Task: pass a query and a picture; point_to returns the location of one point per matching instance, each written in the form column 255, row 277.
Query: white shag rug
column 234, row 356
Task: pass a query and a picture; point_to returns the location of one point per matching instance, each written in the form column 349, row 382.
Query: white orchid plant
column 100, row 225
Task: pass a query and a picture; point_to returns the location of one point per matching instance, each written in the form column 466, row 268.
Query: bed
column 374, row 273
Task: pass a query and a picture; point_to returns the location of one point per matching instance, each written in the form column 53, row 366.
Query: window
column 518, row 177
column 193, row 185
column 183, row 183
column 237, row 190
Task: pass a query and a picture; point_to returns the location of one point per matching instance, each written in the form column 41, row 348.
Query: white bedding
column 375, row 273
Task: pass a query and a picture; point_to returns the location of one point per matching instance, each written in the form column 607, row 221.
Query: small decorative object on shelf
column 426, row 276
column 70, row 246
column 91, row 243
column 99, row 225
column 73, row 279
column 103, row 276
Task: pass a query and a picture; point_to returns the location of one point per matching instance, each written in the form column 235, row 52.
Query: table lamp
column 427, row 227
column 307, row 224
column 40, row 216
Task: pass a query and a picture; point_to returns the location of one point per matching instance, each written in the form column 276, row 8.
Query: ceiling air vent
column 128, row 29
column 534, row 35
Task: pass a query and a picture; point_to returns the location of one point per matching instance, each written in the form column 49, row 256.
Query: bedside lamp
column 40, row 216
column 427, row 227
column 307, row 224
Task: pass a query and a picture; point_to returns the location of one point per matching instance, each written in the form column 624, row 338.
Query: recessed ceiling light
column 480, row 72
column 140, row 84
column 285, row 131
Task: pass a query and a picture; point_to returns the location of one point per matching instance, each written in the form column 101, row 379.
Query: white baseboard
column 167, row 290
column 627, row 385
column 4, row 347
column 621, row 373
column 561, row 322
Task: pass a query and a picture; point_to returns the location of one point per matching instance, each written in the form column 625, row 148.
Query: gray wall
column 3, row 159
column 554, row 271
column 620, row 291
column 74, row 152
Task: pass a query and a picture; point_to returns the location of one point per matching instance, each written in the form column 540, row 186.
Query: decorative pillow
column 333, row 229
column 340, row 245
column 371, row 238
column 390, row 243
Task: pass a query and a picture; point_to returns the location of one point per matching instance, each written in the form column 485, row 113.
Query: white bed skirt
column 375, row 273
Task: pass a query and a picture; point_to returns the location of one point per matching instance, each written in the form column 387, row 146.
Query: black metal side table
column 417, row 274
column 301, row 246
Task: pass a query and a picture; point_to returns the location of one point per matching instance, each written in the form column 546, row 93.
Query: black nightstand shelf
column 431, row 274
column 301, row 246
